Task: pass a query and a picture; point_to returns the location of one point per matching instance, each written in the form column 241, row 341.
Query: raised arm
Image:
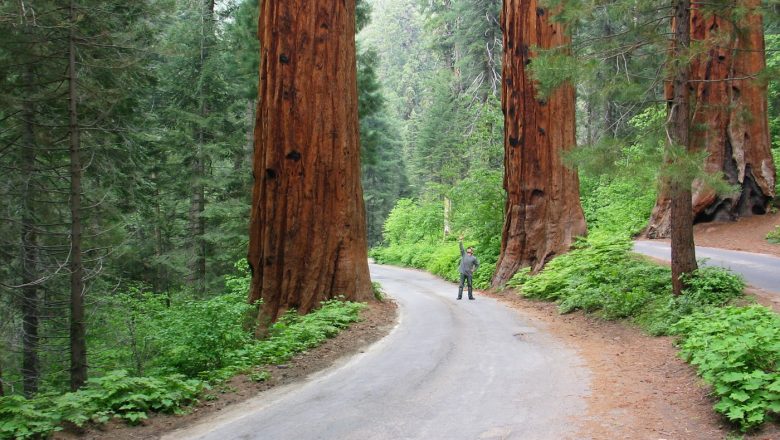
column 460, row 243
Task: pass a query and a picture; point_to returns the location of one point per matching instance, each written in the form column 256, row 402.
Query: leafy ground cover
column 168, row 356
column 774, row 236
column 736, row 349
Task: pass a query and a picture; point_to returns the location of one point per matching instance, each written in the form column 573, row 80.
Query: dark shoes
column 471, row 297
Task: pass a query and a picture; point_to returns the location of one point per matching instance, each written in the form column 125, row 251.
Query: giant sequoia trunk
column 729, row 119
column 307, row 238
column 543, row 212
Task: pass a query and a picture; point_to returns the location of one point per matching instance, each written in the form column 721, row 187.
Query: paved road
column 759, row 270
column 449, row 370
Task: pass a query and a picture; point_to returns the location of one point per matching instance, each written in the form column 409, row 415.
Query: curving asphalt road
column 759, row 270
column 449, row 370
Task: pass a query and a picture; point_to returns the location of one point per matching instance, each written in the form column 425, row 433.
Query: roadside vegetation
column 414, row 237
column 161, row 354
column 774, row 235
column 735, row 345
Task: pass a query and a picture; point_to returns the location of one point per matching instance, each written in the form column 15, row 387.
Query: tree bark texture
column 729, row 119
column 307, row 238
column 29, row 252
column 543, row 212
column 197, row 221
column 78, row 340
column 679, row 130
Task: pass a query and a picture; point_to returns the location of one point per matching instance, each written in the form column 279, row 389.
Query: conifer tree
column 729, row 119
column 307, row 239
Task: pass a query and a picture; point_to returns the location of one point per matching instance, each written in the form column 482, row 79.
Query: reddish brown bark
column 543, row 212
column 729, row 119
column 679, row 130
column 307, row 239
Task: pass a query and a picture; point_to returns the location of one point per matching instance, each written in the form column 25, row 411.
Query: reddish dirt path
column 746, row 234
column 640, row 388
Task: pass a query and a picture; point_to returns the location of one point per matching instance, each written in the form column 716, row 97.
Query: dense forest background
column 166, row 94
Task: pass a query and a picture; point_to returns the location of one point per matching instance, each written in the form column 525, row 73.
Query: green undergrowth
column 115, row 395
column 194, row 350
column 439, row 258
column 774, row 235
column 736, row 349
column 413, row 232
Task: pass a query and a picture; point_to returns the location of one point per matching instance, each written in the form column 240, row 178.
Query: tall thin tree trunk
column 307, row 237
column 729, row 119
column 543, row 212
column 245, row 155
column 447, row 214
column 197, row 226
column 678, row 128
column 198, row 199
column 157, row 281
column 78, row 340
column 29, row 250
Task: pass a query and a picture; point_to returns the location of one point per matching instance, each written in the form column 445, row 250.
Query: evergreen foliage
column 155, row 357
column 167, row 96
column 414, row 236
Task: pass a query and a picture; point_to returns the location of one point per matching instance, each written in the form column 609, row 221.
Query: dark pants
column 463, row 278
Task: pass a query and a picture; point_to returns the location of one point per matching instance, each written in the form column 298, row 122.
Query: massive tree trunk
column 307, row 238
column 78, row 340
column 729, row 120
column 543, row 212
column 678, row 186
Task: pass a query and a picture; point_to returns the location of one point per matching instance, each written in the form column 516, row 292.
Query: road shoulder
column 640, row 389
column 376, row 322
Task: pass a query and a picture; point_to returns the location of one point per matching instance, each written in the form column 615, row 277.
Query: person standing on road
column 468, row 264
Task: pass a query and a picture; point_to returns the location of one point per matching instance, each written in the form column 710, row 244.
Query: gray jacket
column 468, row 263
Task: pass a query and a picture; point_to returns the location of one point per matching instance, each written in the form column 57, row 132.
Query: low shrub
column 379, row 293
column 213, row 351
column 737, row 351
column 620, row 206
column 774, row 235
column 295, row 333
column 598, row 275
column 195, row 336
column 116, row 394
column 707, row 286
